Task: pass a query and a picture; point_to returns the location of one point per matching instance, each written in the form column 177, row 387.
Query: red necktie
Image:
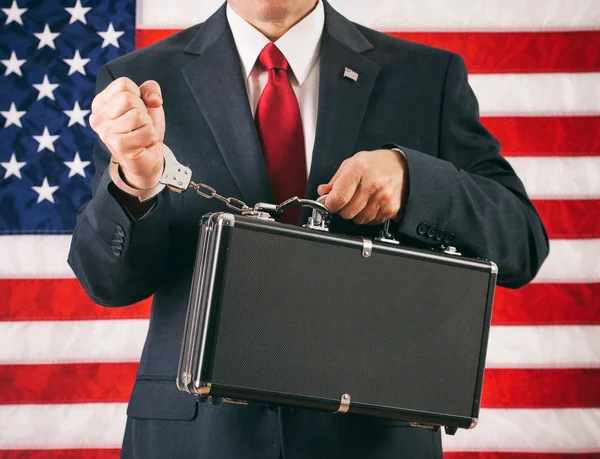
column 279, row 128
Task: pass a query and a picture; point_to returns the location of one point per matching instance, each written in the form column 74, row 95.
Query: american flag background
column 67, row 366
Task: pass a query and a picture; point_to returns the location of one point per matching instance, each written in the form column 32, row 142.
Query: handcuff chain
column 232, row 203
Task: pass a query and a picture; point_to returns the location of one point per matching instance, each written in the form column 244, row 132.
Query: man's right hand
column 130, row 121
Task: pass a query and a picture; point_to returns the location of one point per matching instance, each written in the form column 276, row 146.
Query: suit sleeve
column 470, row 196
column 119, row 260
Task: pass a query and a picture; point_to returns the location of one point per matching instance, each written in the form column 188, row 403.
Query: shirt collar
column 300, row 45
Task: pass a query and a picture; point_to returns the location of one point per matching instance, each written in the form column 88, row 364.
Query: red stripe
column 564, row 388
column 112, row 383
column 548, row 304
column 570, row 219
column 64, row 299
column 546, row 136
column 67, row 383
column 491, row 52
column 146, row 37
column 99, row 453
column 52, row 299
column 513, row 455
column 518, row 52
column 114, row 454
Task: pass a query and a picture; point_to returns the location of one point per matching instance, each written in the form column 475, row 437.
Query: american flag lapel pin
column 351, row 74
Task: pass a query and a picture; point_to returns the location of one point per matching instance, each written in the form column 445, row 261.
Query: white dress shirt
column 301, row 46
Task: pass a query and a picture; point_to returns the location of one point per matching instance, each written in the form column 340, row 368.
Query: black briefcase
column 283, row 314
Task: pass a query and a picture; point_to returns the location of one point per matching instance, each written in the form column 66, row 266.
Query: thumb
column 152, row 97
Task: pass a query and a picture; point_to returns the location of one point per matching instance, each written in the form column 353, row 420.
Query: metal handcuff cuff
column 178, row 178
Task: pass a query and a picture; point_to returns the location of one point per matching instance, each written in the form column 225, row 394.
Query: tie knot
column 272, row 58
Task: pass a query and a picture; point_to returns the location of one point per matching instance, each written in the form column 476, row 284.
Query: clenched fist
column 130, row 120
column 369, row 188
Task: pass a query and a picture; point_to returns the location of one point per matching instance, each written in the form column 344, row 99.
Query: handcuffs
column 178, row 178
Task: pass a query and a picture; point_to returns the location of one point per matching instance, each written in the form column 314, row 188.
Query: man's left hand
column 368, row 188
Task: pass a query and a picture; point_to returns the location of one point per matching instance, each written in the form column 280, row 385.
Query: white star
column 110, row 36
column 45, row 191
column 46, row 88
column 46, row 38
column 77, row 115
column 45, row 140
column 77, row 166
column 13, row 167
column 13, row 65
column 13, row 116
column 78, row 13
column 14, row 13
column 76, row 64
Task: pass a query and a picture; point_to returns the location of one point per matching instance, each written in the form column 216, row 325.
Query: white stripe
column 34, row 256
column 85, row 425
column 537, row 93
column 548, row 346
column 527, row 430
column 422, row 15
column 571, row 260
column 102, row 425
column 559, row 177
column 122, row 341
column 72, row 341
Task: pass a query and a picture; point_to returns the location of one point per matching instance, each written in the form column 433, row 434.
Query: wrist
column 138, row 182
column 142, row 191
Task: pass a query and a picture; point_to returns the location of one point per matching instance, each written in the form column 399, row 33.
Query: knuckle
column 123, row 83
column 375, row 186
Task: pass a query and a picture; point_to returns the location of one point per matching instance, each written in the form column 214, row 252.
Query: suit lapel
column 342, row 101
column 216, row 82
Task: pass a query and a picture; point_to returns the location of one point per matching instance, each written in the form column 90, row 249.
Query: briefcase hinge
column 234, row 401
column 344, row 404
column 421, row 425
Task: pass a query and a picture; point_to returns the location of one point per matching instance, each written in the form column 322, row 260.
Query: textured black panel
column 389, row 330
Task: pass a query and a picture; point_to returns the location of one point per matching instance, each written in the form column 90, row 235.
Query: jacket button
column 432, row 230
column 117, row 237
column 441, row 234
column 117, row 245
column 116, row 252
column 422, row 228
column 120, row 231
column 449, row 238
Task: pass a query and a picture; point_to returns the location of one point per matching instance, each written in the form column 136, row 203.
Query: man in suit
column 265, row 100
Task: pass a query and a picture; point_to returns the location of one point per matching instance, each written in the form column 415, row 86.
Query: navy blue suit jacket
column 410, row 95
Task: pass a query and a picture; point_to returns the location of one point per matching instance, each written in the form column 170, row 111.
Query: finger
column 324, row 189
column 344, row 186
column 134, row 142
column 122, row 84
column 130, row 121
column 356, row 204
column 369, row 213
column 151, row 94
column 120, row 104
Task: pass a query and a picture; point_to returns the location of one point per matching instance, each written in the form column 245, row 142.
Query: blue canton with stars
column 50, row 51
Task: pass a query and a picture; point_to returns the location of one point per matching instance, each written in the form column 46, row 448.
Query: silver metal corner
column 494, row 267
column 474, row 422
column 203, row 388
column 344, row 404
column 225, row 219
